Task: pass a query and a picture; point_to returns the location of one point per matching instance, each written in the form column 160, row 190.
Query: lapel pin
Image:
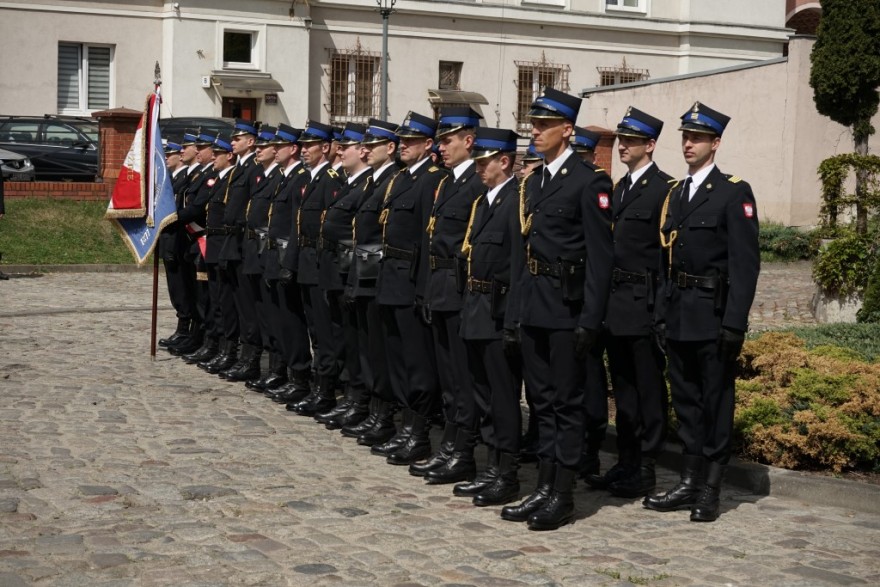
column 644, row 182
column 564, row 171
column 708, row 186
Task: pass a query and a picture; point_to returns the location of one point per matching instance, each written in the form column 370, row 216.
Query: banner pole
column 155, row 304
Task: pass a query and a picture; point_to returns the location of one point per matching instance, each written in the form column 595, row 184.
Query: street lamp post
column 386, row 7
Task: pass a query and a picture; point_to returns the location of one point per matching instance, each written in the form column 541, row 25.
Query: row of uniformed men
column 443, row 289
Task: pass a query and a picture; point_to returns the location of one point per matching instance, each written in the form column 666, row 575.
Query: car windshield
column 90, row 129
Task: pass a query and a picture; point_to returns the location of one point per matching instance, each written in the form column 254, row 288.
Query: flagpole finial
column 157, row 74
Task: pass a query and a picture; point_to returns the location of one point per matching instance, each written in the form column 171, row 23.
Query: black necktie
column 685, row 195
column 546, row 179
column 627, row 184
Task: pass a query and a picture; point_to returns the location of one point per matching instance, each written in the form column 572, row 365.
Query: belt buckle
column 681, row 279
column 533, row 266
column 432, row 261
column 615, row 276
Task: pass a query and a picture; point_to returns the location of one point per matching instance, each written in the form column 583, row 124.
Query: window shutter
column 68, row 77
column 99, row 78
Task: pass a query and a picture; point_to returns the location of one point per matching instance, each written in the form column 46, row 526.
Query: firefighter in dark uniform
column 409, row 346
column 241, row 187
column 279, row 268
column 321, row 191
column 442, row 274
column 256, row 237
column 193, row 218
column 220, row 289
column 584, row 142
column 492, row 231
column 709, row 230
column 636, row 362
column 335, row 254
column 381, row 142
column 559, row 292
column 172, row 246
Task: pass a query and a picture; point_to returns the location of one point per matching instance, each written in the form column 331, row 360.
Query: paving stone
column 97, row 490
column 8, row 505
column 205, row 492
column 315, row 569
column 12, row 580
column 823, row 576
column 105, row 561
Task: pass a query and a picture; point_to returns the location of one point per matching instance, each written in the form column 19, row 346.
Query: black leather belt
column 683, row 280
column 232, row 229
column 442, row 262
column 334, row 246
column 307, row 242
column 537, row 267
column 250, row 233
column 479, row 286
column 215, row 231
column 621, row 276
column 395, row 253
column 276, row 243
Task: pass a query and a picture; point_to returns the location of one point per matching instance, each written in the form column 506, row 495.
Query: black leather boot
column 640, row 483
column 708, row 505
column 227, row 358
column 684, row 495
column 275, row 376
column 484, row 479
column 531, row 504
column 298, row 386
column 243, row 354
column 355, row 430
column 398, row 439
column 249, row 368
column 209, row 349
column 383, row 430
column 440, row 456
column 330, row 418
column 417, row 446
column 559, row 509
column 460, row 466
column 357, row 413
column 323, row 400
column 590, row 465
column 505, row 487
column 182, row 330
column 617, row 472
column 189, row 343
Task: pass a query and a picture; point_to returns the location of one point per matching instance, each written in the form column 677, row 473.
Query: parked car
column 16, row 167
column 61, row 148
column 172, row 128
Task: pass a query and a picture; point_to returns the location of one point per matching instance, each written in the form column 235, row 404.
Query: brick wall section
column 605, row 149
column 116, row 129
column 62, row 190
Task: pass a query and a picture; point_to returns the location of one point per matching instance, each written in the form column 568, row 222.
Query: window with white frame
column 85, row 73
column 532, row 77
column 628, row 5
column 240, row 49
column 354, row 86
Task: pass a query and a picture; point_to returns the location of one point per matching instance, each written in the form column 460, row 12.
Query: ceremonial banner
column 143, row 202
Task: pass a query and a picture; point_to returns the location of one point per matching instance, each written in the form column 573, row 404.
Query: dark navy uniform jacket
column 443, row 238
column 319, row 194
column 284, row 248
column 337, row 229
column 368, row 232
column 406, row 208
column 257, row 218
column 570, row 222
column 241, row 186
column 495, row 232
column 636, row 251
column 716, row 237
column 217, row 189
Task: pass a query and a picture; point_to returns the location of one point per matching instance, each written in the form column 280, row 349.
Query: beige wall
column 775, row 139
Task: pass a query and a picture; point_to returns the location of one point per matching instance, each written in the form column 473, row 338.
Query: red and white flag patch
column 211, row 182
column 604, row 201
column 259, row 178
column 749, row 210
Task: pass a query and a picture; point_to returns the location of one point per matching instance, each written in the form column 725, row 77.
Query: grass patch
column 854, row 341
column 44, row 231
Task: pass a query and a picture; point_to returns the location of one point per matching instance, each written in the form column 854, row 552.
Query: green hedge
column 785, row 243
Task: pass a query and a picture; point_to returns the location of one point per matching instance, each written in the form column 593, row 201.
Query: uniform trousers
column 371, row 349
column 222, row 302
column 556, row 379
column 497, row 381
column 411, row 366
column 343, row 317
column 180, row 278
column 639, row 395
column 703, row 398
column 456, row 389
column 328, row 337
column 596, row 395
column 263, row 308
column 245, row 304
column 291, row 328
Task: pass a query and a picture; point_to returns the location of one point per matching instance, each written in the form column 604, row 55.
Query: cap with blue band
column 316, row 131
column 286, row 135
column 417, row 125
column 245, row 127
column 584, row 139
column 701, row 118
column 455, row 118
column 352, row 134
column 552, row 103
column 380, row 131
column 222, row 143
column 491, row 141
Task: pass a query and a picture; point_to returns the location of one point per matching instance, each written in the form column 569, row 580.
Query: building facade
column 289, row 60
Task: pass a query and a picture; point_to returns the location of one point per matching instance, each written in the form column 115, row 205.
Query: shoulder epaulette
column 433, row 168
column 332, row 172
column 600, row 170
column 734, row 179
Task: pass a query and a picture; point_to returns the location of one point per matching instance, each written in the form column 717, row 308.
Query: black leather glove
column 730, row 343
column 584, row 339
column 510, row 343
column 349, row 301
column 659, row 332
column 424, row 313
column 285, row 276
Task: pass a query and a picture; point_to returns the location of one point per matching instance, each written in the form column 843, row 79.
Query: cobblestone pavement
column 783, row 297
column 116, row 471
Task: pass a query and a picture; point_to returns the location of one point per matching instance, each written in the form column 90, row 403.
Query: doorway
column 244, row 108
